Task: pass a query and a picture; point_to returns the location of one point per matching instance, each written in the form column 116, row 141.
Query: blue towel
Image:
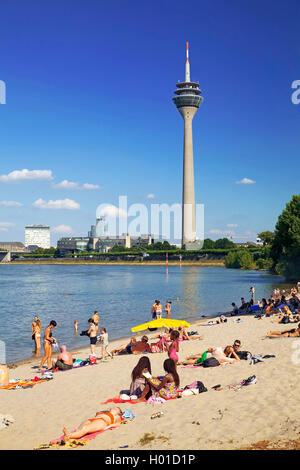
column 128, row 414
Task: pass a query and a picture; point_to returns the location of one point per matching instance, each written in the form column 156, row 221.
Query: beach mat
column 23, row 384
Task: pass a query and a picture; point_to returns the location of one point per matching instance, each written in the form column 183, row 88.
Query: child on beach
column 104, row 343
column 173, row 348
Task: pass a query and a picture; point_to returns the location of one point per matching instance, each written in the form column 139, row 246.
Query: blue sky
column 89, row 90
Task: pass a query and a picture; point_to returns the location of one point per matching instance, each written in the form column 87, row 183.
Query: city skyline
column 88, row 114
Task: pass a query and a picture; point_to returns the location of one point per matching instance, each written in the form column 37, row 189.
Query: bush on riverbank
column 240, row 259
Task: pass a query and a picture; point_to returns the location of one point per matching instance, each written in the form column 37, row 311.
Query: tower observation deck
column 187, row 101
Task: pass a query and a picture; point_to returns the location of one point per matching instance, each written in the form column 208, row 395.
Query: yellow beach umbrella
column 160, row 323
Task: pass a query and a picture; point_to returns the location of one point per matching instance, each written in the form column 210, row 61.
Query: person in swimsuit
column 36, row 334
column 139, row 385
column 173, row 348
column 168, row 308
column 140, row 346
column 92, row 333
column 48, row 341
column 104, row 343
column 166, row 388
column 217, row 353
column 64, row 360
column 125, row 348
column 103, row 420
column 284, row 334
column 96, row 319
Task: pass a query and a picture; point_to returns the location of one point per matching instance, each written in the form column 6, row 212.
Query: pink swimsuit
column 173, row 354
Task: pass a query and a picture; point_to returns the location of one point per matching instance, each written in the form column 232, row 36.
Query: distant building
column 247, row 244
column 38, row 235
column 73, row 244
column 16, row 247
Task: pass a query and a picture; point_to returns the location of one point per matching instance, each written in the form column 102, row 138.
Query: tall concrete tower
column 187, row 102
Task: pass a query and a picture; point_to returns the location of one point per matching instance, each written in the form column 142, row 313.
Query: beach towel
column 79, row 442
column 23, row 383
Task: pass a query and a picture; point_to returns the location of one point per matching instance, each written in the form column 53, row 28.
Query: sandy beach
column 225, row 419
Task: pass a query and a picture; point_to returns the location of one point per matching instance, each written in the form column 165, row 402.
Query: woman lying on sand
column 284, row 334
column 220, row 355
column 102, row 421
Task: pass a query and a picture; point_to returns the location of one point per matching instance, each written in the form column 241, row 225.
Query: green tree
column 285, row 250
column 224, row 244
column 266, row 237
column 208, row 244
column 240, row 259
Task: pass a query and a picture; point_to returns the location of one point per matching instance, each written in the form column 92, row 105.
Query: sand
column 227, row 419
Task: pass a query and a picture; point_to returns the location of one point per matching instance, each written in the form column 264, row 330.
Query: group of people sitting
column 144, row 385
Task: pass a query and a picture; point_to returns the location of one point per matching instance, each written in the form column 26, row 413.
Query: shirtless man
column 48, row 342
column 124, row 348
column 103, row 420
column 64, row 360
column 92, row 333
column 141, row 346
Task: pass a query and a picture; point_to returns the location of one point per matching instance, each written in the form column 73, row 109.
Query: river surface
column 123, row 295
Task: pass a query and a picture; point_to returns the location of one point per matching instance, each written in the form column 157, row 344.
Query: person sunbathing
column 141, row 346
column 293, row 333
column 124, row 348
column 211, row 352
column 103, row 420
column 184, row 336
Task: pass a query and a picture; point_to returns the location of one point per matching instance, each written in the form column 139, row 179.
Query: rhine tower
column 187, row 101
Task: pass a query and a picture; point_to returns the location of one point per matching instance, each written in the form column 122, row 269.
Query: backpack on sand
column 211, row 362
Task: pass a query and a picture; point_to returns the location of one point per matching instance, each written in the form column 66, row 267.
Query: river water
column 123, row 295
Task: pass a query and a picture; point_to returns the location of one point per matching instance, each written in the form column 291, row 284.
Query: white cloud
column 112, row 211
column 220, row 232
column 245, row 181
column 65, row 184
column 11, row 204
column 22, row 175
column 59, row 204
column 62, row 229
column 232, row 225
column 4, row 226
column 150, row 196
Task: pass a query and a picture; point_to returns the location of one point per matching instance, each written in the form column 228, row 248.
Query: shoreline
column 86, row 349
column 120, row 263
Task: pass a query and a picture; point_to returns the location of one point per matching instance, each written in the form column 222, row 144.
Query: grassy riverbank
column 78, row 261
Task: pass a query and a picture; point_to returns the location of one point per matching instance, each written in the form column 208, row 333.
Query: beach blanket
column 77, row 366
column 119, row 400
column 192, row 366
column 23, row 384
column 56, row 443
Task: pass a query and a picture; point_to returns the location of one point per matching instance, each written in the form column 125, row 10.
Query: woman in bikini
column 102, row 421
column 36, row 334
column 166, row 388
column 284, row 334
column 48, row 341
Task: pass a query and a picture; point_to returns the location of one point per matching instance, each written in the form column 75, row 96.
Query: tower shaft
column 187, row 102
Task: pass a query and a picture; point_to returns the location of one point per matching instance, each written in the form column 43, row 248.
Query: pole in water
column 167, row 260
